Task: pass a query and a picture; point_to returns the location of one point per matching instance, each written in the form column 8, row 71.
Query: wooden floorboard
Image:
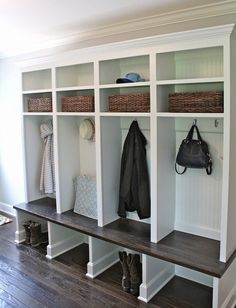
column 195, row 252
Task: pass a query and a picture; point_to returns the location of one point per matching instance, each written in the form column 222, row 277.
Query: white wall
column 11, row 161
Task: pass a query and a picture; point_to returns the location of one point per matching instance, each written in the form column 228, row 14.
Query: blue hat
column 130, row 77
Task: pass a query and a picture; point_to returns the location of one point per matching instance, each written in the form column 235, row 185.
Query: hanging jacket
column 134, row 180
column 47, row 179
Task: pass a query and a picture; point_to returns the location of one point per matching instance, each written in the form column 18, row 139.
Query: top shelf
column 125, row 85
column 190, row 81
column 192, row 251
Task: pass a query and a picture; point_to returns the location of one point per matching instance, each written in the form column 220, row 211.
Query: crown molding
column 190, row 14
column 218, row 33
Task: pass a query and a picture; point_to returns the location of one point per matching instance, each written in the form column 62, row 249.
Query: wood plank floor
column 28, row 279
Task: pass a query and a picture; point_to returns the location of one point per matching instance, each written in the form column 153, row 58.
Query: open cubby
column 113, row 133
column 190, row 64
column 111, row 70
column 113, row 275
column 60, row 94
column 77, row 75
column 193, row 203
column 105, row 93
column 37, row 80
column 76, row 157
column 181, row 292
column 76, row 258
column 34, row 148
column 163, row 92
column 34, row 95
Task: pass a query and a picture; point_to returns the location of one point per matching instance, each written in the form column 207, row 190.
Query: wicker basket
column 80, row 103
column 40, row 104
column 137, row 102
column 211, row 101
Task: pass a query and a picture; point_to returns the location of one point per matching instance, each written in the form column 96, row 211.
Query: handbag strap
column 209, row 169
column 191, row 131
column 176, row 170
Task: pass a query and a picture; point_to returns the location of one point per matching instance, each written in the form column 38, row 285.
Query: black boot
column 135, row 269
column 36, row 237
column 125, row 268
column 26, row 226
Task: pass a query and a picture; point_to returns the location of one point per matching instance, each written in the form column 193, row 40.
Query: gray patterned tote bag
column 85, row 196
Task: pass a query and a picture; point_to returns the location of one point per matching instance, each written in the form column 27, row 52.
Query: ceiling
column 27, row 24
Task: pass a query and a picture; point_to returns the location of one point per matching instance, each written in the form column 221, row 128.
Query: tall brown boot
column 36, row 237
column 135, row 269
column 126, row 274
column 26, row 226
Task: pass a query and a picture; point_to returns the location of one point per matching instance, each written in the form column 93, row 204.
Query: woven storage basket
column 80, row 103
column 40, row 104
column 137, row 102
column 211, row 101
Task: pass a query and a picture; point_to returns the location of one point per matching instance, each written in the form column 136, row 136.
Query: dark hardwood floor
column 29, row 279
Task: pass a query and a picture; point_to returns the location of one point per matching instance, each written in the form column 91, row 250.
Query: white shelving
column 194, row 203
column 190, row 81
column 189, row 115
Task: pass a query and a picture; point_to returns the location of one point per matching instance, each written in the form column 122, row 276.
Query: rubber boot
column 135, row 269
column 126, row 274
column 36, row 237
column 26, row 226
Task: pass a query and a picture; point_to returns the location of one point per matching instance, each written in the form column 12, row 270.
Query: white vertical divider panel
column 24, row 144
column 226, row 154
column 231, row 230
column 98, row 145
column 228, row 233
column 102, row 255
column 153, row 143
column 224, row 288
column 155, row 275
column 111, row 145
column 165, row 176
column 55, row 140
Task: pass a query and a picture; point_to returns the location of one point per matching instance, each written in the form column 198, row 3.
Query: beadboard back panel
column 198, row 195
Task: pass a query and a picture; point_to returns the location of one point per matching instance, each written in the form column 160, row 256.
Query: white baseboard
column 56, row 249
column 147, row 291
column 7, row 208
column 99, row 266
column 198, row 230
column 19, row 236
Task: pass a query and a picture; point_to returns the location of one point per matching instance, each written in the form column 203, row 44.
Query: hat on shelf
column 130, row 77
column 87, row 129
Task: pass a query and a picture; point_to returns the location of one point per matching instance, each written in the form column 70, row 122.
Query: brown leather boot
column 126, row 274
column 135, row 269
column 36, row 237
column 26, row 226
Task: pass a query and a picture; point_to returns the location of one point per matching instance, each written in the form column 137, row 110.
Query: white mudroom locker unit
column 191, row 232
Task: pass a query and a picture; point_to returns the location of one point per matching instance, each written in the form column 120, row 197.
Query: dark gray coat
column 134, row 180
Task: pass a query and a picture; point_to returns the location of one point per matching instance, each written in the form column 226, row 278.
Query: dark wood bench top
column 191, row 251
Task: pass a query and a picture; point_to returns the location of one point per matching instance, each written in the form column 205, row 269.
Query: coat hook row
column 216, row 123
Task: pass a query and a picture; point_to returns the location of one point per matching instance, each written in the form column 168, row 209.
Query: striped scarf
column 47, row 179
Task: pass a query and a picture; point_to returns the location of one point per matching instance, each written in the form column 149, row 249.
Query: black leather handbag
column 193, row 153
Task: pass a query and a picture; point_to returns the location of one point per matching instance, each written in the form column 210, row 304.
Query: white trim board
column 7, row 208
